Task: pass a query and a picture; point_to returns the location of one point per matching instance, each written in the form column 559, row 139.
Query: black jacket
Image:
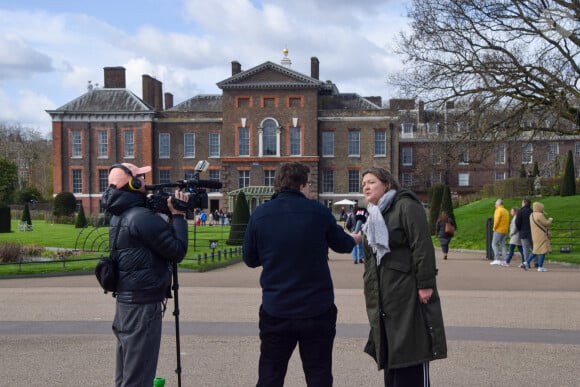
column 147, row 246
column 523, row 222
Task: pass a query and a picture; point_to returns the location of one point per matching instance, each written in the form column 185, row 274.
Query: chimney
column 158, row 94
column 168, row 101
column 149, row 89
column 236, row 67
column 314, row 68
column 114, row 77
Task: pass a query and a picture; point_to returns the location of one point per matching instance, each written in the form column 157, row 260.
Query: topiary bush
column 5, row 218
column 81, row 221
column 64, row 204
column 240, row 219
column 26, row 218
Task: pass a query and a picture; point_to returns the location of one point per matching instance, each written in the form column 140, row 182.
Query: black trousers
column 315, row 339
column 412, row 376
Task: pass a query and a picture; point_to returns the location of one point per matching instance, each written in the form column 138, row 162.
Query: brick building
column 266, row 115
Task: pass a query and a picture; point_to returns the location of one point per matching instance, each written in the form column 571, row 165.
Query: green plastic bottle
column 158, row 382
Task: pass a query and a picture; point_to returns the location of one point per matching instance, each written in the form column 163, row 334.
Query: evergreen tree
column 64, row 204
column 536, row 171
column 81, row 221
column 240, row 219
column 26, row 218
column 523, row 172
column 434, row 206
column 568, row 185
column 5, row 217
column 447, row 203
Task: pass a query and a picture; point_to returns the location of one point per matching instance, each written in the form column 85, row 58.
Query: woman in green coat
column 402, row 301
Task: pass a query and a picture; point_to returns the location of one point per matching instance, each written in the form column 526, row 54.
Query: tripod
column 175, row 288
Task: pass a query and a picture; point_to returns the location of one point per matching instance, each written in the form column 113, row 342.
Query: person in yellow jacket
column 501, row 223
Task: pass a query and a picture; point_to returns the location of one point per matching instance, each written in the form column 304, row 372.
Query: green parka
column 403, row 332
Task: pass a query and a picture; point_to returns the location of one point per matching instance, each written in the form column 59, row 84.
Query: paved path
column 505, row 327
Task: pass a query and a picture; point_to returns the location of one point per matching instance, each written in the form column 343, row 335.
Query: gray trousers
column 498, row 242
column 526, row 246
column 138, row 331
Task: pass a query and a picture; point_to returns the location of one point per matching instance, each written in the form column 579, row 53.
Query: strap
column 540, row 227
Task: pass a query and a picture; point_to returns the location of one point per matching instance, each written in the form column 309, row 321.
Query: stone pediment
column 269, row 75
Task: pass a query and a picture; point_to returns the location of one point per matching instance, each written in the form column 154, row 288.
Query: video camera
column 157, row 201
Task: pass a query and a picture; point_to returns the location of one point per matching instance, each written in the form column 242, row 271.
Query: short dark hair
column 383, row 175
column 291, row 176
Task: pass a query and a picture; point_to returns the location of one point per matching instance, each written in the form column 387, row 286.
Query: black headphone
column 134, row 183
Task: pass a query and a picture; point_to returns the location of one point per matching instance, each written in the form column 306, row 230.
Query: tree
column 8, row 180
column 568, row 187
column 26, row 218
column 240, row 219
column 523, row 172
column 447, row 203
column 508, row 66
column 64, row 204
column 435, row 206
column 536, row 171
column 81, row 221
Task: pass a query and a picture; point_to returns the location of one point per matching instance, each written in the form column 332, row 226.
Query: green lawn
column 471, row 224
column 82, row 247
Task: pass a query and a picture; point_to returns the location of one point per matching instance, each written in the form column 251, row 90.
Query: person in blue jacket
column 289, row 237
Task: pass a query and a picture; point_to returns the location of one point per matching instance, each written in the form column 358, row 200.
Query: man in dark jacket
column 523, row 226
column 147, row 246
column 289, row 237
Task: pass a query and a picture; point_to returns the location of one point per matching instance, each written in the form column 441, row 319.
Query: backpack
column 107, row 269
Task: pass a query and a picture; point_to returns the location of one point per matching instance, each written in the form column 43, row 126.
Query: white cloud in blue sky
column 49, row 50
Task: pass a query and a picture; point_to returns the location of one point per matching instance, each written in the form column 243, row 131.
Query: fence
column 565, row 236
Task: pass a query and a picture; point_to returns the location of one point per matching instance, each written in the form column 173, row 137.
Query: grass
column 471, row 225
column 71, row 250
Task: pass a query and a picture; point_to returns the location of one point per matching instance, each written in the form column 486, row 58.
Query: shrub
column 435, row 206
column 5, row 218
column 81, row 221
column 568, row 186
column 26, row 215
column 64, row 204
column 240, row 219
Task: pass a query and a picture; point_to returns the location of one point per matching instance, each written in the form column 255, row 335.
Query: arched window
column 269, row 138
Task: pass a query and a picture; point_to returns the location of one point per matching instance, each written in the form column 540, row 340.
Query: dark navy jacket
column 289, row 237
column 147, row 246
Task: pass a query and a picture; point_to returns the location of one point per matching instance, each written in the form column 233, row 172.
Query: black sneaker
column 361, row 261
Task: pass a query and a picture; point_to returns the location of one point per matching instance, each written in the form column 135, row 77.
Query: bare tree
column 510, row 66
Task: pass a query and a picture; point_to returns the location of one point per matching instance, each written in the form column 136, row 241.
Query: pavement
column 505, row 327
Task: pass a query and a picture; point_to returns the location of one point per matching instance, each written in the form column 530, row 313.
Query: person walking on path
column 523, row 226
column 443, row 236
column 541, row 240
column 515, row 240
column 297, row 291
column 354, row 222
column 147, row 246
column 402, row 302
column 501, row 221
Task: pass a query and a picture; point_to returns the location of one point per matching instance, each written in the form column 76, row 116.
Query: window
column 327, row 144
column 214, row 175
column 527, row 151
column 243, row 141
column 499, row 176
column 243, row 179
column 269, row 178
column 129, row 144
column 328, row 180
column 577, row 148
column 103, row 144
column 463, row 154
column 353, row 181
column 214, row 145
column 164, row 149
column 500, row 154
column 407, row 155
column 77, row 181
column 295, row 141
column 270, row 138
column 407, row 180
column 436, row 178
column 407, row 130
column 164, row 176
column 189, row 145
column 463, row 180
column 433, row 127
column 380, row 143
column 354, row 143
column 189, row 174
column 76, row 144
column 553, row 151
column 103, row 180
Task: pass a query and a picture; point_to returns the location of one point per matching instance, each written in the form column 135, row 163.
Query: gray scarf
column 375, row 228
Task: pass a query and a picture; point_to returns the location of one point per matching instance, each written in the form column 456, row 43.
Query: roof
column 287, row 78
column 200, row 103
column 346, row 101
column 253, row 191
column 106, row 100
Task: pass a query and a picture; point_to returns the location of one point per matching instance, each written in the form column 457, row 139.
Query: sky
column 51, row 50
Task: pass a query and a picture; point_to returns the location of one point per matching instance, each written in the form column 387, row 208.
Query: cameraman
column 147, row 247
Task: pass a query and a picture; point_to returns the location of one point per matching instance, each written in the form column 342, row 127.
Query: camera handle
column 176, row 314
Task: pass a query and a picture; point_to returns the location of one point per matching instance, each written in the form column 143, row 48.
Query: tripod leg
column 176, row 314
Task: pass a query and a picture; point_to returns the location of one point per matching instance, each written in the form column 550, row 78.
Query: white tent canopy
column 344, row 202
